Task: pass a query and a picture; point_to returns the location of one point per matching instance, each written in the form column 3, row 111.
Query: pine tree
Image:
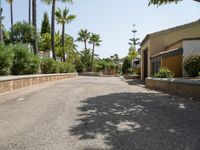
column 45, row 24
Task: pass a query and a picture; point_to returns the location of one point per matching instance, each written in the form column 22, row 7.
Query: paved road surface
column 97, row 114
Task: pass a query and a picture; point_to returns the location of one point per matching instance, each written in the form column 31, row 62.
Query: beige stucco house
column 167, row 48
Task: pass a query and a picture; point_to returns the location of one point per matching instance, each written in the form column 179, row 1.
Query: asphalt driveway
column 91, row 113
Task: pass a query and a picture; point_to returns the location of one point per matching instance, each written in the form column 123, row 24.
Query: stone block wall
column 182, row 87
column 16, row 82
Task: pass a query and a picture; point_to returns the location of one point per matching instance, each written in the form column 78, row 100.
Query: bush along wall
column 17, row 59
column 6, row 59
column 24, row 62
column 49, row 65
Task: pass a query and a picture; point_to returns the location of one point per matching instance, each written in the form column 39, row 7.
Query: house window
column 155, row 66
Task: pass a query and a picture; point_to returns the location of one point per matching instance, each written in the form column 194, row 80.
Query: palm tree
column 161, row 2
column 63, row 18
column 85, row 56
column 132, row 54
column 34, row 21
column 53, row 2
column 1, row 18
column 83, row 36
column 29, row 11
column 11, row 15
column 95, row 41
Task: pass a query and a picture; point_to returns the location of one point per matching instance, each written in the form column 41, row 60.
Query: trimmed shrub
column 192, row 64
column 126, row 65
column 24, row 62
column 6, row 59
column 79, row 65
column 55, row 68
column 69, row 68
column 98, row 67
column 34, row 65
column 49, row 65
column 61, row 67
column 164, row 73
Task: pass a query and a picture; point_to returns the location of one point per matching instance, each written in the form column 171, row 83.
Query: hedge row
column 18, row 60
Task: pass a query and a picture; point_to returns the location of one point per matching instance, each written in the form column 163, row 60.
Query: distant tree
column 45, row 42
column 79, row 65
column 161, row 2
column 83, row 36
column 6, row 36
column 132, row 54
column 45, row 28
column 116, row 58
column 126, row 65
column 71, row 49
column 95, row 41
column 23, row 32
column 53, row 3
column 58, row 47
column 86, row 56
column 134, row 41
column 63, row 17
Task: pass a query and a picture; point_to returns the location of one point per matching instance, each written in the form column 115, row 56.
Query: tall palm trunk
column 53, row 29
column 11, row 17
column 29, row 11
column 63, row 41
column 92, row 56
column 34, row 20
column 1, row 32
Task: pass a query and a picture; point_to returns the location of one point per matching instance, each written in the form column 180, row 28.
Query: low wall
column 183, row 87
column 10, row 83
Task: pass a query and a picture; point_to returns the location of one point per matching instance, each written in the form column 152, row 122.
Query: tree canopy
column 161, row 2
column 45, row 24
column 23, row 32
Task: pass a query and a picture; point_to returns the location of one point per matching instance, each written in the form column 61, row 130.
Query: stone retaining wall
column 183, row 87
column 16, row 82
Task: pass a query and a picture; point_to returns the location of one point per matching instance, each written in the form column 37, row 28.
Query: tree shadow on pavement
column 140, row 121
column 136, row 82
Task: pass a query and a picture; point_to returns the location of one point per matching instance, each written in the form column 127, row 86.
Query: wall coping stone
column 195, row 82
column 11, row 78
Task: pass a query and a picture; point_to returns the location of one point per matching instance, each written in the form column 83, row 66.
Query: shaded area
column 136, row 82
column 140, row 121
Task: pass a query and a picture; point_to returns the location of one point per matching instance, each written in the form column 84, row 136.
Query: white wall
column 191, row 47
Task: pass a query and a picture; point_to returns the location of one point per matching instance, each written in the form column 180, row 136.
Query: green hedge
column 49, row 65
column 126, row 65
column 24, row 62
column 18, row 60
column 70, row 68
column 6, row 59
column 79, row 65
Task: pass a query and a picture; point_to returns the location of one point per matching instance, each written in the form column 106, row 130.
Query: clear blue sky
column 113, row 19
